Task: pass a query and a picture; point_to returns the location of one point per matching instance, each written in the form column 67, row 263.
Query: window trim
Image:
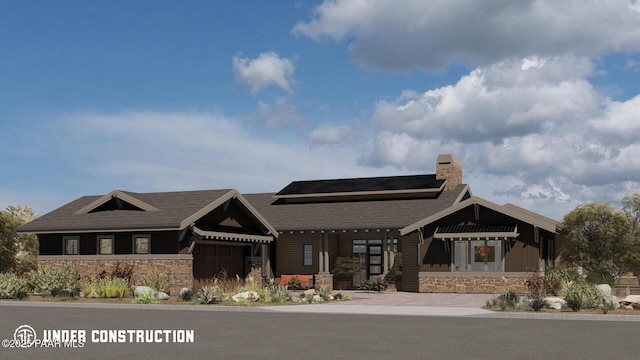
column 135, row 238
column 65, row 239
column 499, row 255
column 105, row 237
column 304, row 254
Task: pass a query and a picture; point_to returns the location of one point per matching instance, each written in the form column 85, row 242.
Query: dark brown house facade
column 192, row 235
column 428, row 228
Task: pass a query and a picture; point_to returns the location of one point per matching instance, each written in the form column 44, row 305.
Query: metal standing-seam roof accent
column 476, row 231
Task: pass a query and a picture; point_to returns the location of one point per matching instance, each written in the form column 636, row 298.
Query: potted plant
column 345, row 269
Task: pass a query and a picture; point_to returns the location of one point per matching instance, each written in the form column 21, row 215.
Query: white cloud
column 268, row 69
column 433, row 34
column 527, row 134
column 329, row 133
column 275, row 115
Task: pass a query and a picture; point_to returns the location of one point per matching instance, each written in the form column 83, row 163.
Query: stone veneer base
column 179, row 267
column 472, row 283
column 324, row 279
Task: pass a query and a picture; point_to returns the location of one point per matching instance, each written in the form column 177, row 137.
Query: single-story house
column 431, row 228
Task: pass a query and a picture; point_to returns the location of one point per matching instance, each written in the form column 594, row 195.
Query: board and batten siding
column 410, row 266
column 162, row 242
column 289, row 254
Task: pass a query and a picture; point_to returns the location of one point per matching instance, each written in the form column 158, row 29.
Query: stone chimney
column 449, row 167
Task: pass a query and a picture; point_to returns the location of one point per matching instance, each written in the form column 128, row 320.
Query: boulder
column 161, row 295
column 309, row 292
column 630, row 302
column 554, row 302
column 247, row 295
column 316, row 299
column 143, row 291
column 605, row 289
column 185, row 294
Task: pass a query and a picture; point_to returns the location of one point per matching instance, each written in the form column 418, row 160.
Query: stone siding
column 180, row 270
column 324, row 279
column 471, row 283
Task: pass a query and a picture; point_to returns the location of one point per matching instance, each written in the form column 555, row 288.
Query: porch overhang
column 476, row 232
column 229, row 236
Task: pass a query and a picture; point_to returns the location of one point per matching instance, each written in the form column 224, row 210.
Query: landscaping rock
column 143, row 291
column 161, row 295
column 309, row 292
column 630, row 302
column 185, row 294
column 316, row 299
column 554, row 302
column 605, row 289
column 612, row 299
column 247, row 295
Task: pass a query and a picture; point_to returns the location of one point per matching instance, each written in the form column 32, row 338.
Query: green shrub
column 209, row 294
column 555, row 280
column 12, row 286
column 294, row 284
column 582, row 295
column 186, row 295
column 54, row 280
column 597, row 278
column 157, row 280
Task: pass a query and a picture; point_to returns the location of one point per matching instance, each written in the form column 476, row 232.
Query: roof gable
column 522, row 215
column 170, row 211
column 117, row 200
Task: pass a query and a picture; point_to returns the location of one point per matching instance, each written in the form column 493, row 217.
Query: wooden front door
column 211, row 260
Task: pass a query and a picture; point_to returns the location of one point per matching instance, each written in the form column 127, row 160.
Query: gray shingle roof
column 174, row 207
column 377, row 214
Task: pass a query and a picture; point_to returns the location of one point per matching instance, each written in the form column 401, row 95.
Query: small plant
column 378, row 284
column 122, row 271
column 343, row 296
column 535, row 283
column 54, row 280
column 146, row 297
column 186, row 294
column 157, row 280
column 12, row 286
column 242, row 302
column 209, row 294
column 323, row 291
column 537, row 302
column 107, row 288
column 556, row 280
column 294, row 284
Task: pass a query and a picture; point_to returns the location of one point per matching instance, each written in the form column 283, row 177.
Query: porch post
column 265, row 262
column 385, row 253
column 325, row 248
column 321, row 253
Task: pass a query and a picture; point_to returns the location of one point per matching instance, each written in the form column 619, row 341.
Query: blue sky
column 539, row 99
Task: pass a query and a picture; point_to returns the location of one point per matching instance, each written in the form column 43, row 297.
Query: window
column 477, row 255
column 307, row 254
column 141, row 244
column 105, row 245
column 71, row 245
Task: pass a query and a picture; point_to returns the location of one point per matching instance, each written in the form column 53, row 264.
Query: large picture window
column 477, row 255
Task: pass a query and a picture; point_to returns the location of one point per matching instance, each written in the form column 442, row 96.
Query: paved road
column 262, row 334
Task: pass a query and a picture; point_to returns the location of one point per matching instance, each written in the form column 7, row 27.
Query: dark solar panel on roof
column 387, row 183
